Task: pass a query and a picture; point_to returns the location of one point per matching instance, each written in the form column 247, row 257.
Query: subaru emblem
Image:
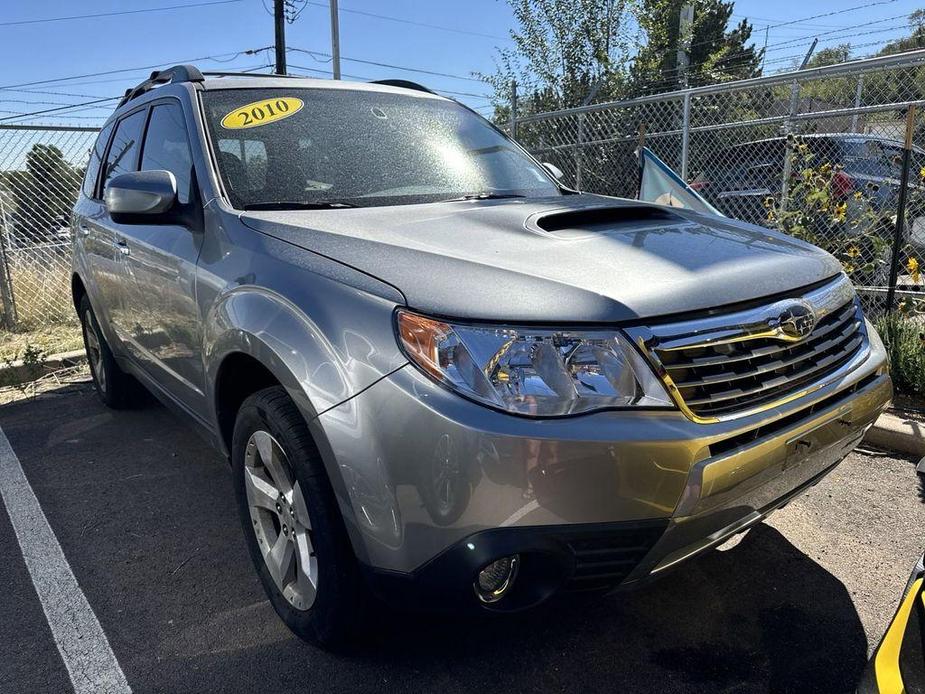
column 796, row 320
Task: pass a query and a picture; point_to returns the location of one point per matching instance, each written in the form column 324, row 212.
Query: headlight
column 532, row 371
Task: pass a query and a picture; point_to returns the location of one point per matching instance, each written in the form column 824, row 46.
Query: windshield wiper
column 298, row 205
column 485, row 195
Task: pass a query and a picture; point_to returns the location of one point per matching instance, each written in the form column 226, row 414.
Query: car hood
column 581, row 258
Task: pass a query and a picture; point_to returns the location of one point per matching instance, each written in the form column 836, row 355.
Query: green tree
column 716, row 54
column 564, row 51
column 833, row 55
column 915, row 39
column 43, row 193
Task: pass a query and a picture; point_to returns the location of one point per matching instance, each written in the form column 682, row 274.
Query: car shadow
column 760, row 617
column 145, row 514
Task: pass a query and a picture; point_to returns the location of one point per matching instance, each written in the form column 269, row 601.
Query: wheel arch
column 253, row 339
column 78, row 290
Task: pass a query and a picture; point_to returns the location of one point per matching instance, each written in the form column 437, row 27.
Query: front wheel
column 292, row 524
column 116, row 388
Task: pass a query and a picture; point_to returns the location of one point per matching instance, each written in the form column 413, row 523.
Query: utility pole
column 764, row 51
column 279, row 21
column 335, row 41
column 685, row 32
column 788, row 131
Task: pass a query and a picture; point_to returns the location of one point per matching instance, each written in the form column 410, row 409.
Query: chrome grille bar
column 731, row 364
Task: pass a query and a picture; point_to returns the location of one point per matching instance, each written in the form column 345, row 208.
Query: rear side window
column 96, row 158
column 167, row 147
column 123, row 152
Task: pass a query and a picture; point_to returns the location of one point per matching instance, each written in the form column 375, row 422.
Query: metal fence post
column 685, row 135
column 7, row 300
column 579, row 151
column 794, row 107
column 857, row 103
column 901, row 209
column 513, row 109
column 788, row 145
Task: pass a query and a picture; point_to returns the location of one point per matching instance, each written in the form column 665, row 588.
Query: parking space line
column 84, row 648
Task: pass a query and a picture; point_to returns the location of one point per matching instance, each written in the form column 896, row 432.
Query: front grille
column 740, row 373
column 605, row 559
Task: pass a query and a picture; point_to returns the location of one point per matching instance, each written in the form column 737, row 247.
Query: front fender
column 322, row 361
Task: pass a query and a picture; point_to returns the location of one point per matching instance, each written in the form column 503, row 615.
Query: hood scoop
column 572, row 223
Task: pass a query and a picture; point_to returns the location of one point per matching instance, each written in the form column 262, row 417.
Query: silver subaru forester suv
column 443, row 379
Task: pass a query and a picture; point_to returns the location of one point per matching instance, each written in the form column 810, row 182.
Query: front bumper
column 435, row 486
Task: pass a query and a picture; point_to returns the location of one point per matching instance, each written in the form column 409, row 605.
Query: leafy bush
column 904, row 337
column 818, row 209
column 33, row 362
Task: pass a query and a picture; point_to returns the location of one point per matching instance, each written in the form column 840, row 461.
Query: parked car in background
column 443, row 379
column 738, row 179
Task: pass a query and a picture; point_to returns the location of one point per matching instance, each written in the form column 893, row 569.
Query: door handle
column 123, row 247
column 83, row 229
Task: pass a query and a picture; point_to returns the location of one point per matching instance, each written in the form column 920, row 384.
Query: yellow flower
column 849, row 268
column 857, row 195
column 913, row 267
column 840, row 212
column 922, row 172
column 853, row 252
column 825, row 168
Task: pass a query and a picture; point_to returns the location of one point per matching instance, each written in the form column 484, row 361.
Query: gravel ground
column 144, row 513
column 864, row 524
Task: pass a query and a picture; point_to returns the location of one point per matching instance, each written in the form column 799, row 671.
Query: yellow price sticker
column 263, row 112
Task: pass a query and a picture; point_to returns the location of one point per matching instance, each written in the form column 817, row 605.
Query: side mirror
column 554, row 170
column 141, row 197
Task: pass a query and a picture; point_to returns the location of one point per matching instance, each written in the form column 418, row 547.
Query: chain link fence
column 41, row 169
column 819, row 154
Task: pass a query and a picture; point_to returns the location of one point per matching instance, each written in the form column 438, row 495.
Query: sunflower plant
column 818, row 209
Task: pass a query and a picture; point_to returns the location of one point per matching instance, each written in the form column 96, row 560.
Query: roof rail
column 222, row 73
column 405, row 84
column 175, row 74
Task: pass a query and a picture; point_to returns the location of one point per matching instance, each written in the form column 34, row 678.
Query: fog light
column 496, row 578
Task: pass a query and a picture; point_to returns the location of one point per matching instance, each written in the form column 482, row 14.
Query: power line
column 415, row 23
column 808, row 37
column 827, row 14
column 393, row 67
column 62, row 108
column 134, row 69
column 741, row 57
column 42, row 91
column 89, row 105
column 34, row 103
column 367, row 78
column 113, row 14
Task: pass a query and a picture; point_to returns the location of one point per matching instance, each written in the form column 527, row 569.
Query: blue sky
column 52, row 50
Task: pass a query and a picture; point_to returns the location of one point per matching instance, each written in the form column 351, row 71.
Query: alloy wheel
column 94, row 351
column 280, row 520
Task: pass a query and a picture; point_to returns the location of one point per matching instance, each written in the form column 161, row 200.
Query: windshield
column 341, row 147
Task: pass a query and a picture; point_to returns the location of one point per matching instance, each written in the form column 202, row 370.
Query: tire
column 116, row 388
column 292, row 523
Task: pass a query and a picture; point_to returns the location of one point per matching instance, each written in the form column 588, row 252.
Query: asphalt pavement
column 144, row 513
